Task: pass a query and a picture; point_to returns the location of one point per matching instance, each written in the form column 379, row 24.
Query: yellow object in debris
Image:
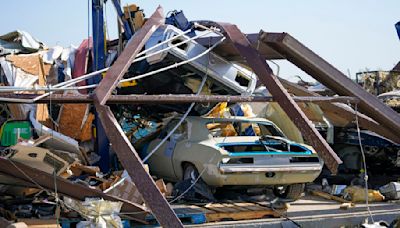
column 357, row 194
column 194, row 85
column 275, row 113
column 129, row 83
column 219, row 111
column 133, row 14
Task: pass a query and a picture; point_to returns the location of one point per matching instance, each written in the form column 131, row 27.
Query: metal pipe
column 173, row 99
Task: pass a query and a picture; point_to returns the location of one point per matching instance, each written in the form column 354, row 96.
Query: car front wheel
column 290, row 192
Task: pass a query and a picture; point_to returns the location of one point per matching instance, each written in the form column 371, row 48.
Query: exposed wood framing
column 265, row 74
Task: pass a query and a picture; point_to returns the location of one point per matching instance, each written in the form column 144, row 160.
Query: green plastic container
column 12, row 130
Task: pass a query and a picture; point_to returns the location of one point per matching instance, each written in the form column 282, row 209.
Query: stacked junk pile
column 177, row 112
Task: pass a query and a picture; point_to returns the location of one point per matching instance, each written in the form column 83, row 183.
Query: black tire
column 290, row 192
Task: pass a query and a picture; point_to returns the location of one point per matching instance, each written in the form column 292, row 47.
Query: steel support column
column 99, row 58
column 265, row 74
column 126, row 153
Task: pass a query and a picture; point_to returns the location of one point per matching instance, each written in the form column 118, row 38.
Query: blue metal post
column 99, row 58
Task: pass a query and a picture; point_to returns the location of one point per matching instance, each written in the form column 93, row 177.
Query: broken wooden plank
column 64, row 187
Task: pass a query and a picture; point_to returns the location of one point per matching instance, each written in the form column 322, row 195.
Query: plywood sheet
column 29, row 63
column 86, row 132
column 71, row 119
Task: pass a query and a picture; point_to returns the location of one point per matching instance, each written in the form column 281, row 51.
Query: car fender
column 201, row 155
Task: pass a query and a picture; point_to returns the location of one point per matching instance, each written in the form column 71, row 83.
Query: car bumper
column 250, row 175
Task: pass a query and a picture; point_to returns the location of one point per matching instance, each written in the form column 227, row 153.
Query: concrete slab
column 312, row 211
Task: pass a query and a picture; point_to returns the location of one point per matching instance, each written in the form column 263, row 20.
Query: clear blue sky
column 352, row 35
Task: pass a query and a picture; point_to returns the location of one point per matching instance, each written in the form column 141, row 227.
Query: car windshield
column 232, row 128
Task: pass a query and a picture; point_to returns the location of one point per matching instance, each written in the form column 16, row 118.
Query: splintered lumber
column 330, row 197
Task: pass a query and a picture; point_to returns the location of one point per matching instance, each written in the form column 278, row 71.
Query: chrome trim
column 254, row 169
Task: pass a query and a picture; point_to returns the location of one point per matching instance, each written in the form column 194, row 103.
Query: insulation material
column 68, row 59
column 312, row 111
column 334, row 116
column 194, row 85
column 357, row 194
column 276, row 114
column 72, row 118
column 220, row 110
column 52, row 54
column 99, row 213
column 226, row 129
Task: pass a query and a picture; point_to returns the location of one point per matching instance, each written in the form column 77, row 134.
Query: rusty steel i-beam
column 265, row 75
column 328, row 75
column 65, row 187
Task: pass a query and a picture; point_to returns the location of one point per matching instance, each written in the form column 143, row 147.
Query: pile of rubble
column 56, row 161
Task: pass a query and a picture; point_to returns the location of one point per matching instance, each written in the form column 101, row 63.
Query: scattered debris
column 101, row 164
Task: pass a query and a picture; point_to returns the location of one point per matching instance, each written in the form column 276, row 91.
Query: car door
column 161, row 162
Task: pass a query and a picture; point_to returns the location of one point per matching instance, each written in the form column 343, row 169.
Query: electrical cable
column 191, row 186
column 364, row 164
column 179, row 122
column 74, row 81
column 175, row 65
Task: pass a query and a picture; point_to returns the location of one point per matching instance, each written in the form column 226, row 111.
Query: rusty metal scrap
column 124, row 61
column 126, row 153
column 64, row 187
column 265, row 75
column 334, row 111
column 321, row 70
column 174, row 98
